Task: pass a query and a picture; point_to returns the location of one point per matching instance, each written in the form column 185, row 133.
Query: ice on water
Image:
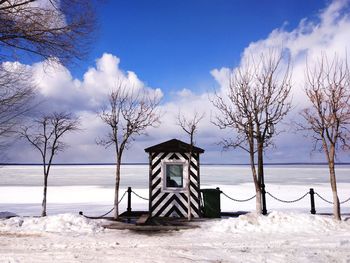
column 90, row 188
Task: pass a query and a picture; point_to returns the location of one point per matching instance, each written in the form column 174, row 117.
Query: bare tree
column 45, row 135
column 128, row 115
column 327, row 87
column 190, row 126
column 50, row 29
column 16, row 92
column 255, row 102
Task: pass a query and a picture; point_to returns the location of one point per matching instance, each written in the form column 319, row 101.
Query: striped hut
column 168, row 179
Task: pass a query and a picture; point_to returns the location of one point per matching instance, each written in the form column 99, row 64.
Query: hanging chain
column 324, row 199
column 122, row 197
column 108, row 211
column 144, row 198
column 347, row 200
column 329, row 202
column 288, row 201
column 113, row 206
column 238, row 200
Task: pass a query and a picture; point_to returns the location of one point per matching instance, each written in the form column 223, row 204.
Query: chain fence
column 81, row 213
column 235, row 199
column 122, row 197
column 324, row 199
column 279, row 199
column 113, row 206
column 238, row 200
column 311, row 193
column 284, row 201
column 330, row 202
column 346, row 200
column 139, row 196
column 107, row 212
column 288, row 201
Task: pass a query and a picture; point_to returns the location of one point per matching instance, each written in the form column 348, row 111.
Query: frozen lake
column 136, row 176
column 90, row 187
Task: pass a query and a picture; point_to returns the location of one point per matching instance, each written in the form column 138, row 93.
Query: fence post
column 263, row 198
column 312, row 200
column 129, row 201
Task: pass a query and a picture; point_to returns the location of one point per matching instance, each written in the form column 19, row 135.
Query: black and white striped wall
column 168, row 201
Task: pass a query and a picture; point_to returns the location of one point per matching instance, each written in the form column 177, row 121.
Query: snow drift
column 61, row 223
column 278, row 237
column 278, row 222
column 275, row 222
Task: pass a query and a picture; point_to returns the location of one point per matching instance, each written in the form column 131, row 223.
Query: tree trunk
column 189, row 215
column 257, row 192
column 336, row 204
column 258, row 201
column 256, row 183
column 116, row 189
column 43, row 205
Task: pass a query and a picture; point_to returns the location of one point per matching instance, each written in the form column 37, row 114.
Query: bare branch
column 190, row 125
column 46, row 132
column 257, row 100
column 16, row 94
column 45, row 135
column 128, row 115
column 48, row 29
column 327, row 87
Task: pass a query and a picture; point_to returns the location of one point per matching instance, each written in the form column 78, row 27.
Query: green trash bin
column 211, row 200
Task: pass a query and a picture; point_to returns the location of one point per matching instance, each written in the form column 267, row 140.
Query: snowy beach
column 278, row 237
column 288, row 234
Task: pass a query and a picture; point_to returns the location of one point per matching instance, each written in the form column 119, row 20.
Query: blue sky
column 175, row 44
column 183, row 50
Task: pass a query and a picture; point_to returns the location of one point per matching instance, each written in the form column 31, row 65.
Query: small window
column 174, row 175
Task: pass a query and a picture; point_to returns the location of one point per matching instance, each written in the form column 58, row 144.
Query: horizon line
column 145, row 163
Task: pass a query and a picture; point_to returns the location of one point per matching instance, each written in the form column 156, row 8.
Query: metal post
column 261, row 175
column 129, row 201
column 312, row 200
column 218, row 189
column 263, row 195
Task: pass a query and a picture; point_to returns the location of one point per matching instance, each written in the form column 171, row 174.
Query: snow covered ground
column 278, row 237
column 288, row 234
column 96, row 200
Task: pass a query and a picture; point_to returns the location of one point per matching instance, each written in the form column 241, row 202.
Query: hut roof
column 173, row 145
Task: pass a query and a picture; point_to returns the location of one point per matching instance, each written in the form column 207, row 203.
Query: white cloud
column 59, row 91
column 330, row 34
column 184, row 93
column 222, row 76
column 58, row 88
